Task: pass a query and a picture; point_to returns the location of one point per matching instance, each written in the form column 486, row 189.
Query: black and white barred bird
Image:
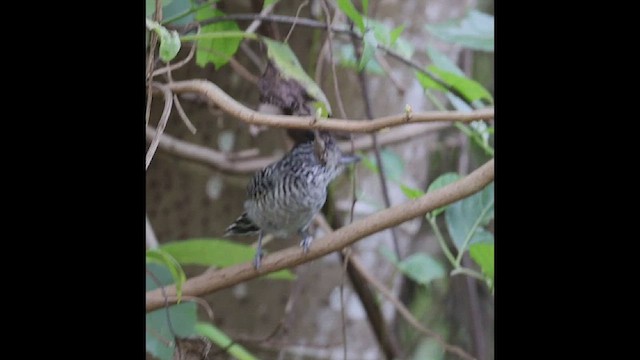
column 283, row 198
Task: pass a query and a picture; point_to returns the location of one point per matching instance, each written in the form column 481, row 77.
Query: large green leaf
column 183, row 318
column 465, row 218
column 216, row 252
column 483, row 255
column 422, row 268
column 217, row 51
column 475, row 31
column 287, row 63
column 470, row 89
column 223, row 341
column 442, row 181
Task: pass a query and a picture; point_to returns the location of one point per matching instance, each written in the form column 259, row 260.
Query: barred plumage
column 283, row 198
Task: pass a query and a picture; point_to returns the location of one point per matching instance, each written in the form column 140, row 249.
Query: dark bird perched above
column 283, row 198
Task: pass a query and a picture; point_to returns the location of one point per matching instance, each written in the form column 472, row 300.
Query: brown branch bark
column 239, row 111
column 223, row 278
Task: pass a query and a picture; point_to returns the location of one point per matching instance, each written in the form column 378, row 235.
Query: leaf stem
column 471, row 233
column 443, row 245
column 467, row 271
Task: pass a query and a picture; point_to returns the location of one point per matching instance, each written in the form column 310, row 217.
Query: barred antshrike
column 283, row 198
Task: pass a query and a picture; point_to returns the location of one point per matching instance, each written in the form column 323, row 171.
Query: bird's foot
column 257, row 260
column 305, row 243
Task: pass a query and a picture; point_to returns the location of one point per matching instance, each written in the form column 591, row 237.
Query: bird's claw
column 305, row 243
column 257, row 260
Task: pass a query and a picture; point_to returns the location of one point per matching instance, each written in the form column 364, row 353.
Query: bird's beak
column 349, row 159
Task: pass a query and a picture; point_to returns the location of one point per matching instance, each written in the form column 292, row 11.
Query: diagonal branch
column 223, row 278
column 237, row 110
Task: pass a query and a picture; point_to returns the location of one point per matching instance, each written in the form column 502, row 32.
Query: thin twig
column 237, row 110
column 243, row 71
column 179, row 64
column 336, row 88
column 212, row 281
column 362, row 77
column 256, row 21
column 162, row 123
column 247, row 161
column 387, row 70
column 284, row 19
column 206, row 156
column 343, row 316
column 183, row 115
column 304, row 3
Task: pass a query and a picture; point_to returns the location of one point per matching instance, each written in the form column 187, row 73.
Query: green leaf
column 183, row 317
column 470, row 89
column 223, row 341
column 442, row 181
column 427, row 82
column 422, row 268
column 159, row 256
column 442, row 61
column 169, row 45
column 395, row 34
column 216, row 252
column 348, row 9
column 169, row 41
column 475, row 31
column 183, row 321
column 217, row 51
column 410, row 192
column 365, row 6
column 483, row 255
column 287, row 63
column 320, row 109
column 465, row 218
column 370, row 45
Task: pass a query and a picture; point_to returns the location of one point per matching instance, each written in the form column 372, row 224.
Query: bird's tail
column 242, row 226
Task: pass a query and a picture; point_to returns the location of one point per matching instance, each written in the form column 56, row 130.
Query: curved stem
column 443, row 244
column 467, row 271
